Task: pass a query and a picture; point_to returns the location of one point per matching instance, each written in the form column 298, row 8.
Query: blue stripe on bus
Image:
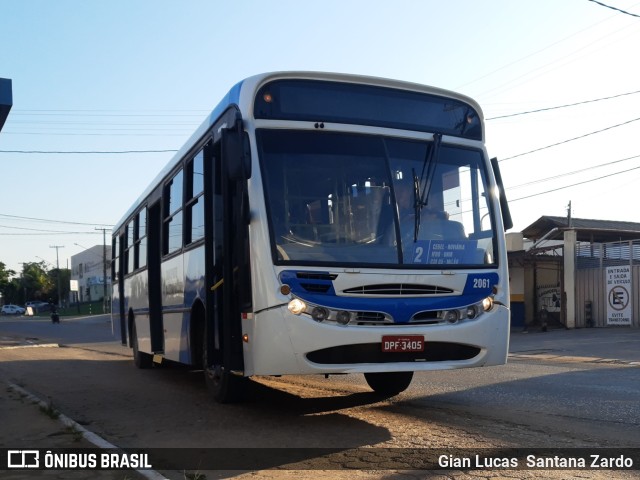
column 318, row 288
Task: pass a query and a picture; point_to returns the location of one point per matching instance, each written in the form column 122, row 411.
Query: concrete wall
column 87, row 269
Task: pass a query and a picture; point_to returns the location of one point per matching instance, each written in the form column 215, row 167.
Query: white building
column 88, row 268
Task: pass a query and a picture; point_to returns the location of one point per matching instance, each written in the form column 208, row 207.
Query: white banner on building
column 618, row 281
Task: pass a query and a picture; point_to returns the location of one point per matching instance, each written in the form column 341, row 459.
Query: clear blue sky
column 141, row 75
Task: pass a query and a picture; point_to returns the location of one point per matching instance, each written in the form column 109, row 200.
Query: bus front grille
column 398, row 289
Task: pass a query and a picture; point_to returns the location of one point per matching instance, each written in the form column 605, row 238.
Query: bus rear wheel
column 389, row 383
column 140, row 359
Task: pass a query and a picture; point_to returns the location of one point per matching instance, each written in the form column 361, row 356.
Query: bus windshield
column 350, row 200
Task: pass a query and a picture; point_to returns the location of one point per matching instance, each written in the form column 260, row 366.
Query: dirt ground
column 27, row 422
column 30, row 424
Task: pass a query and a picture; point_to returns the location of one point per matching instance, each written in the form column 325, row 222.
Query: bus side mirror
column 236, row 151
column 507, row 221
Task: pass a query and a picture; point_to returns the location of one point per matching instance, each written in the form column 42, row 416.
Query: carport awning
column 587, row 230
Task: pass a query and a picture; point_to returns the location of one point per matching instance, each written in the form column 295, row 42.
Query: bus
column 320, row 223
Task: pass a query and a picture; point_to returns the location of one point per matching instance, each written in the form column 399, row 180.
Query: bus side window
column 141, row 242
column 194, row 205
column 172, row 226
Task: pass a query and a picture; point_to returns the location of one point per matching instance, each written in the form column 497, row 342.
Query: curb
column 34, row 345
column 88, row 435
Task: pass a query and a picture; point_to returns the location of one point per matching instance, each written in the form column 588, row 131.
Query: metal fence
column 593, row 295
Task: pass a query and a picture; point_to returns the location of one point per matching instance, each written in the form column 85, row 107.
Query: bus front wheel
column 223, row 386
column 389, row 383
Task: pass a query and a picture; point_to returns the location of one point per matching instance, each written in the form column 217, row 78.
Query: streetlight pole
column 104, row 269
column 57, row 247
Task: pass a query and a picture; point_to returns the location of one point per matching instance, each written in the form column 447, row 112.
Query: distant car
column 34, row 307
column 12, row 310
column 37, row 305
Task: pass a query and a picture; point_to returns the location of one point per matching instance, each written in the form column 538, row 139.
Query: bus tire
column 389, row 383
column 140, row 359
column 222, row 385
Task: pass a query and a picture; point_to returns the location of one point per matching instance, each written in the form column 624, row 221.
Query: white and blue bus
column 320, row 223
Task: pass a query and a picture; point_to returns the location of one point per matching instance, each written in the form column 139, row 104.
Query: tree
column 65, row 277
column 6, row 289
column 36, row 281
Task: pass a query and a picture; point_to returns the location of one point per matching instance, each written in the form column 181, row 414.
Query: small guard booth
column 577, row 273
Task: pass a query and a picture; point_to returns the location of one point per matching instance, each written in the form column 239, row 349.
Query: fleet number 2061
column 481, row 283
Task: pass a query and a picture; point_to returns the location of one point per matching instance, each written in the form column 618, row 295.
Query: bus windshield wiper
column 426, row 179
column 417, row 205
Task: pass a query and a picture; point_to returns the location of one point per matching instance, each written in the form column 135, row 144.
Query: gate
column 594, row 296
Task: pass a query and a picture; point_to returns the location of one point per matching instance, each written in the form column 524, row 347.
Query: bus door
column 120, row 280
column 213, row 254
column 228, row 273
column 236, row 169
column 155, row 278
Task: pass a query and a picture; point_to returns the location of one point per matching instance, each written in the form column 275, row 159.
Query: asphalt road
column 560, row 389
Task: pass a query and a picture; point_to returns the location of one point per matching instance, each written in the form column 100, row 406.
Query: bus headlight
column 487, row 304
column 296, row 306
column 470, row 312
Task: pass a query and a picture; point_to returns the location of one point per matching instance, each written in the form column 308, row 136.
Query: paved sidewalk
column 607, row 345
column 27, row 425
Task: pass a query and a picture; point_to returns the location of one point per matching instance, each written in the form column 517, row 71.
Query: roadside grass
column 84, row 309
column 75, row 433
column 194, row 476
column 50, row 410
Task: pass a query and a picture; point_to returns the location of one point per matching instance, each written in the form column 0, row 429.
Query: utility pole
column 569, row 215
column 24, row 282
column 104, row 269
column 57, row 247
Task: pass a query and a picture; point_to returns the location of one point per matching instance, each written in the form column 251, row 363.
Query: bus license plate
column 402, row 343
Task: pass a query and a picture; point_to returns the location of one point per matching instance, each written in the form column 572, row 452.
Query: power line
column 574, row 172
column 87, row 152
column 84, row 122
column 55, row 221
column 87, row 134
column 46, row 234
column 104, row 152
column 93, row 113
column 35, row 229
column 563, row 106
column 570, row 139
column 532, row 54
column 573, row 184
column 566, row 174
column 614, row 8
column 548, row 66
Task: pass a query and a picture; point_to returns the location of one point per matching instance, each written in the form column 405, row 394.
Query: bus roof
column 237, row 96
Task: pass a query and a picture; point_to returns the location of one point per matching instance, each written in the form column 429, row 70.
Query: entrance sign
column 618, row 281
